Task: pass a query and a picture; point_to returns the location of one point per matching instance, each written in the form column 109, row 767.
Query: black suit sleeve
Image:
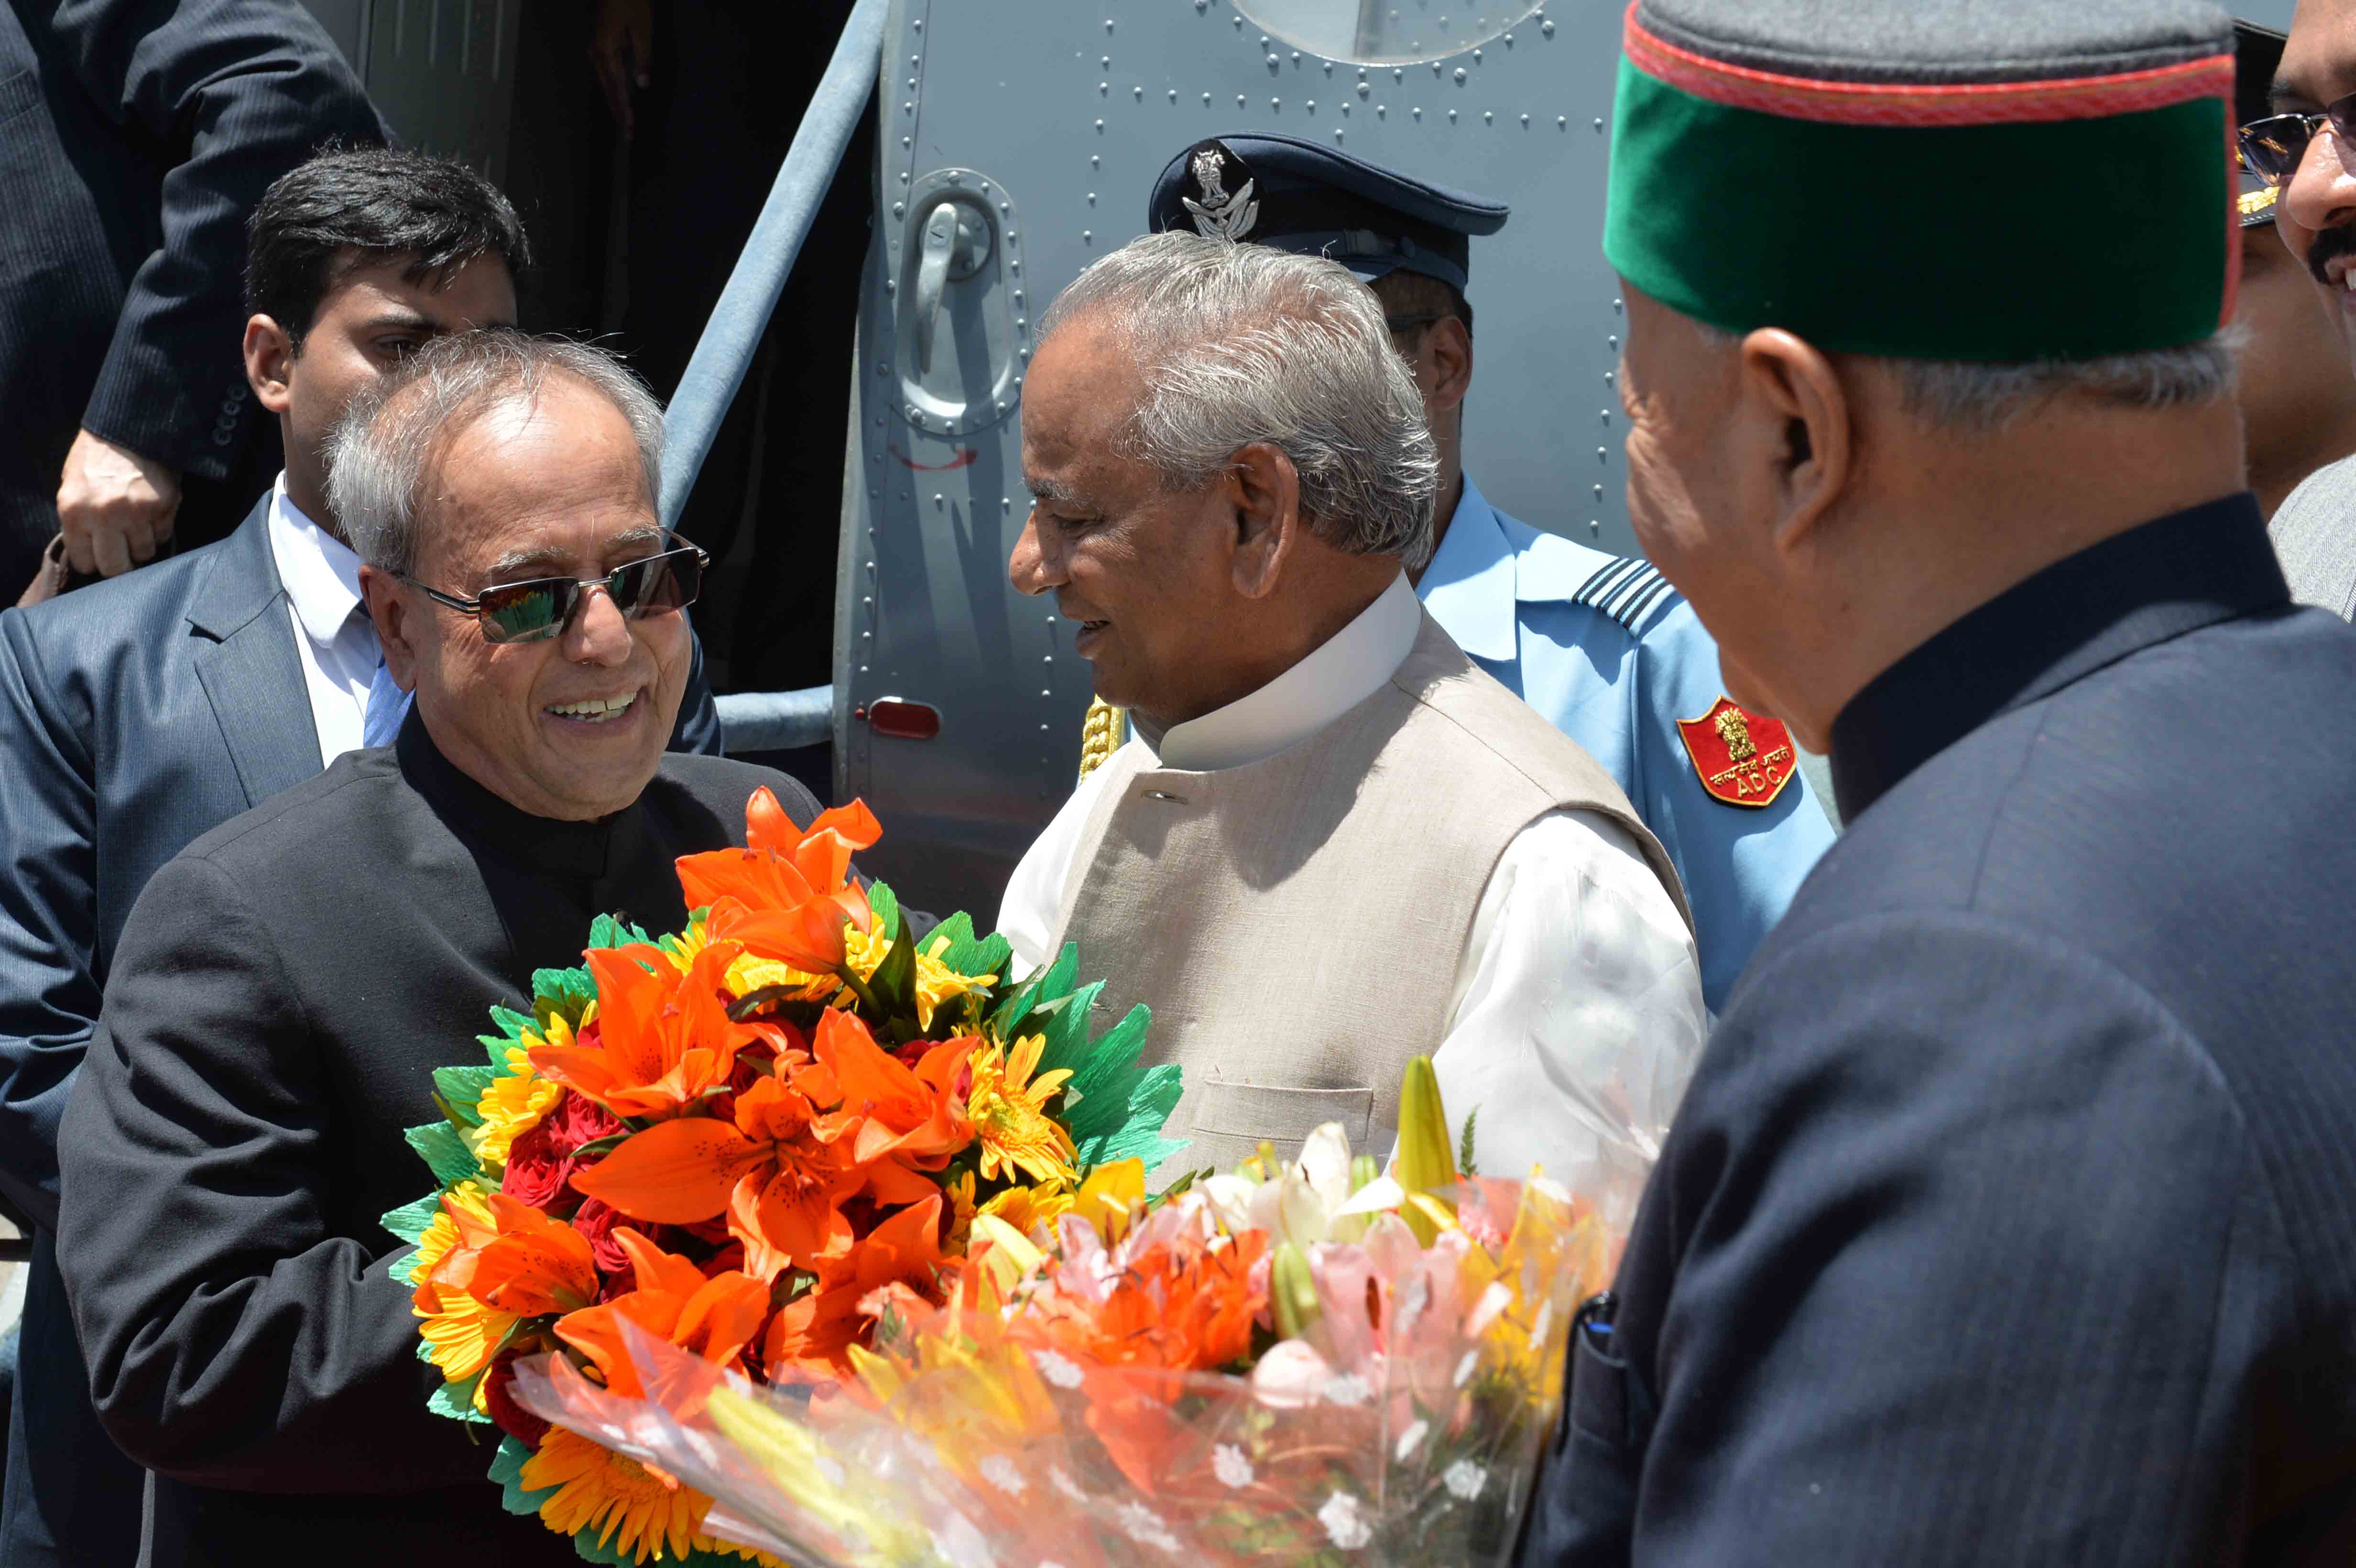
column 240, row 91
column 49, row 917
column 1957, row 1255
column 233, row 1340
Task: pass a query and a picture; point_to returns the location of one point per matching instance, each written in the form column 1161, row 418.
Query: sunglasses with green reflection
column 542, row 607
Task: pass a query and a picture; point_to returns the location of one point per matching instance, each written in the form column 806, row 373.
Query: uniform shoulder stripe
column 1629, row 589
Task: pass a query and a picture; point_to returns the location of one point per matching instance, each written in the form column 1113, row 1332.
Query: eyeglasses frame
column 2340, row 114
column 559, row 627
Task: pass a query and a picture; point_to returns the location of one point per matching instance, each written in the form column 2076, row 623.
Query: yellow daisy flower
column 1010, row 1119
column 513, row 1105
column 460, row 1332
column 646, row 1514
column 1028, row 1207
column 938, row 984
column 960, row 1196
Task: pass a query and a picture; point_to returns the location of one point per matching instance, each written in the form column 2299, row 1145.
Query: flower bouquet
column 729, row 1139
column 1311, row 1363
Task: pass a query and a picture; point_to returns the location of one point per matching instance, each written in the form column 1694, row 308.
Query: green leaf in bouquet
column 409, row 1220
column 1124, row 1117
column 1464, row 1145
column 1049, row 985
column 456, row 1402
column 1064, row 1024
column 445, row 1152
column 963, row 953
column 885, row 904
column 456, row 1088
column 512, row 1026
column 562, row 993
column 506, row 1469
column 1114, row 1106
column 893, row 984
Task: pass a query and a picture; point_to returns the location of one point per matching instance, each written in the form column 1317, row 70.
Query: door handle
column 956, row 243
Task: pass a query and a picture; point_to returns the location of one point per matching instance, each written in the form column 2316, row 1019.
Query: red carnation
column 576, row 1119
column 537, row 1173
column 596, row 1218
column 499, row 1403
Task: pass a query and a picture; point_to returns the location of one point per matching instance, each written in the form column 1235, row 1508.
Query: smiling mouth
column 594, row 709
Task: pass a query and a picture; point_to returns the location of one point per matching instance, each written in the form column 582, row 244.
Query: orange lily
column 914, row 1116
column 533, row 1265
column 714, row 1318
column 769, row 1169
column 787, row 893
column 662, row 1040
column 812, row 1334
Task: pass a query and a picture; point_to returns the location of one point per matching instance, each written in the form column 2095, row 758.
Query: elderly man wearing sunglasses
column 2307, row 153
column 286, row 987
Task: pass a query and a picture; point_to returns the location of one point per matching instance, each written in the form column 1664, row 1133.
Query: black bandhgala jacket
column 2011, row 1214
column 283, row 991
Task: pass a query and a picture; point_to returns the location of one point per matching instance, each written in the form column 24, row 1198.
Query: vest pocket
column 1231, row 1119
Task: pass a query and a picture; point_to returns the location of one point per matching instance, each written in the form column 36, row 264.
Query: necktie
column 388, row 705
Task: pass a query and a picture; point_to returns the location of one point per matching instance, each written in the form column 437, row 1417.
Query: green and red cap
column 2002, row 180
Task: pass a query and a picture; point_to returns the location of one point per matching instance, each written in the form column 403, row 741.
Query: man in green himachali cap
column 2010, row 1216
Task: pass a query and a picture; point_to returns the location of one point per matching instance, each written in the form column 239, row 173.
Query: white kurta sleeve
column 1035, row 895
column 1577, row 1014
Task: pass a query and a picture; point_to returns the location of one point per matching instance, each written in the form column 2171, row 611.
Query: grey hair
column 1973, row 398
column 381, row 450
column 1238, row 344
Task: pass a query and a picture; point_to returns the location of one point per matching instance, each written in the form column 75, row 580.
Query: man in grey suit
column 139, row 713
column 2314, row 531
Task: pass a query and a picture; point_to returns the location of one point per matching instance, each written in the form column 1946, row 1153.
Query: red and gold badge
column 1744, row 759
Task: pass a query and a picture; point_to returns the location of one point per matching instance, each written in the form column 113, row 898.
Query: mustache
column 2329, row 245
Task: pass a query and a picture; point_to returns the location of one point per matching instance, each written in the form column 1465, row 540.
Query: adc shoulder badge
column 1744, row 759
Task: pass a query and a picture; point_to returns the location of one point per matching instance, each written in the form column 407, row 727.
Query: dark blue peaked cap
column 1297, row 195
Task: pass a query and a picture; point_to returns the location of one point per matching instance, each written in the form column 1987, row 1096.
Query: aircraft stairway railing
column 777, row 721
column 770, row 720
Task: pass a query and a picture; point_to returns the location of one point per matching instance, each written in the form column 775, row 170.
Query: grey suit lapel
column 245, row 657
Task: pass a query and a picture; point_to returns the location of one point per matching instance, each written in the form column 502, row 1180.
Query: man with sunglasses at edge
column 288, row 983
column 138, row 713
column 2308, row 151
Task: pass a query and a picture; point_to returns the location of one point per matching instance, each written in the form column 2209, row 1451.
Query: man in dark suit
column 136, row 135
column 288, row 983
column 139, row 713
column 2010, row 1216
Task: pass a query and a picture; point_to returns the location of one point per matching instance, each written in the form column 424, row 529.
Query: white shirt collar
column 1470, row 585
column 321, row 575
column 1343, row 671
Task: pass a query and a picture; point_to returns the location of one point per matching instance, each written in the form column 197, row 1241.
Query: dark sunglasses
column 2271, row 147
column 544, row 606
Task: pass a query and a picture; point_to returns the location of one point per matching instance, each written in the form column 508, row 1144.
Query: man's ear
column 396, row 618
column 269, row 362
column 1791, row 389
column 1263, row 490
column 1449, row 348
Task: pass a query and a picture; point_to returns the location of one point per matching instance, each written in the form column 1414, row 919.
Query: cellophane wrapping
column 1401, row 1423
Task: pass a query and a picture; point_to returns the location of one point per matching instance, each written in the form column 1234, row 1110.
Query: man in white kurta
column 1331, row 843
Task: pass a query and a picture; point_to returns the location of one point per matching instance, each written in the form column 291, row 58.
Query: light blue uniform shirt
column 1613, row 656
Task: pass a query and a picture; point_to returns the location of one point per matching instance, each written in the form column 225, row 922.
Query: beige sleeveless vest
column 1296, row 923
